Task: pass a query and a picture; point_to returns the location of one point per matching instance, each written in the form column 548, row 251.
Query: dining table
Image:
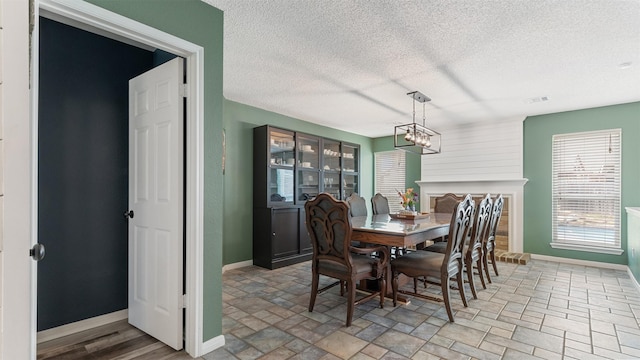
column 399, row 231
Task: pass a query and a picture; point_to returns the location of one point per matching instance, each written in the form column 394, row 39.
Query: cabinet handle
column 274, row 234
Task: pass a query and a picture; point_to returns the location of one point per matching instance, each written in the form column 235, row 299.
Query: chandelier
column 414, row 137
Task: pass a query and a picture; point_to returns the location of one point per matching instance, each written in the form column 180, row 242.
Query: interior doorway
column 87, row 178
column 89, row 16
column 83, row 172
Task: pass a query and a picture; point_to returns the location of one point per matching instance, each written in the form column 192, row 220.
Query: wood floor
column 117, row 340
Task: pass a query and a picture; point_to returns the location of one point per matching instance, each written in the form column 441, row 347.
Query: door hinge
column 184, row 92
column 184, row 301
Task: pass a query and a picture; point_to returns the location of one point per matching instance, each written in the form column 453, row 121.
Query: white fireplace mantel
column 511, row 188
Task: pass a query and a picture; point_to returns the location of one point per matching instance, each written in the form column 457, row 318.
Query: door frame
column 116, row 26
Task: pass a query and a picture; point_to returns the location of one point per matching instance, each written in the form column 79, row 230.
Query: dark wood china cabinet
column 290, row 168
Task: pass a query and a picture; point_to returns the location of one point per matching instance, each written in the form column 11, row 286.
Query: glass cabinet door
column 350, row 158
column 331, row 183
column 331, row 155
column 281, row 165
column 350, row 185
column 308, row 165
column 331, row 168
column 350, row 168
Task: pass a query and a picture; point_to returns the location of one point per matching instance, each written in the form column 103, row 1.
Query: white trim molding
column 82, row 325
column 597, row 264
column 106, row 22
column 594, row 249
column 513, row 189
column 212, row 344
column 237, row 265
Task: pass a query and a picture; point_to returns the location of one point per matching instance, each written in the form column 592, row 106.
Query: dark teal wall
column 538, row 133
column 201, row 24
column 83, row 173
column 239, row 121
column 413, row 164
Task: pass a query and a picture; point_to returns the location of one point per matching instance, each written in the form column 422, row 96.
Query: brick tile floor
column 537, row 310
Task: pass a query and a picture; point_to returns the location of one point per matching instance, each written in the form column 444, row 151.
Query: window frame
column 596, row 178
column 400, row 173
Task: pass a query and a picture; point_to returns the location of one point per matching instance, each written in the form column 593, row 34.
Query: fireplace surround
column 511, row 189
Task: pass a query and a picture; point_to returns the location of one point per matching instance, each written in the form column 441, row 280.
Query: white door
column 156, row 203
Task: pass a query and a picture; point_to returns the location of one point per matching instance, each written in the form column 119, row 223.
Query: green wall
column 239, row 121
column 202, row 24
column 413, row 165
column 538, row 132
column 633, row 222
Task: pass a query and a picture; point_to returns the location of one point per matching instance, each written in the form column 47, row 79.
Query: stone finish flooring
column 541, row 310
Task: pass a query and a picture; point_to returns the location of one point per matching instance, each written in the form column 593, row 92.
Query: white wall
column 486, row 151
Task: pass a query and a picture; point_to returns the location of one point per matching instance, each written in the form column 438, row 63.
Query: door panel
column 156, row 198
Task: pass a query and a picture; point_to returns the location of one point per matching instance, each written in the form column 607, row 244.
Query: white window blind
column 390, row 177
column 586, row 191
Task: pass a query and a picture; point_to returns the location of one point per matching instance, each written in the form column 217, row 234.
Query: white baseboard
column 237, row 265
column 579, row 262
column 82, row 325
column 210, row 345
column 633, row 278
column 589, row 263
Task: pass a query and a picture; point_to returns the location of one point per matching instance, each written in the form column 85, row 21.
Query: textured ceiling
column 349, row 64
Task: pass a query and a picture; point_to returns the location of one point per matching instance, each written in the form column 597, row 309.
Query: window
column 390, row 177
column 586, row 191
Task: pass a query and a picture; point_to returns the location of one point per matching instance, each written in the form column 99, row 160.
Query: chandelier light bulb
column 407, row 137
column 427, row 143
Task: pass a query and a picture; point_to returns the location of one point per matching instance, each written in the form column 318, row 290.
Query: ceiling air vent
column 537, row 99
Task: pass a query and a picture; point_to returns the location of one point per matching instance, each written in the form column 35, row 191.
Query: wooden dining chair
column 357, row 205
column 473, row 245
column 489, row 241
column 380, row 204
column 427, row 264
column 330, row 230
column 446, row 204
column 472, row 250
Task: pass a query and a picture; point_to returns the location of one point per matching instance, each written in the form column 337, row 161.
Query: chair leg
column 394, row 287
column 460, row 279
column 472, row 285
column 485, row 266
column 479, row 265
column 444, row 282
column 382, row 282
column 351, row 298
column 315, row 279
column 493, row 261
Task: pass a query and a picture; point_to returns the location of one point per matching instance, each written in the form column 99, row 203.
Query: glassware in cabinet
column 350, row 184
column 308, row 184
column 331, row 155
column 350, row 158
column 331, row 183
column 281, row 146
column 308, row 152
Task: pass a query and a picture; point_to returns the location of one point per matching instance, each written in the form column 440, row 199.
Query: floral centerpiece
column 409, row 200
